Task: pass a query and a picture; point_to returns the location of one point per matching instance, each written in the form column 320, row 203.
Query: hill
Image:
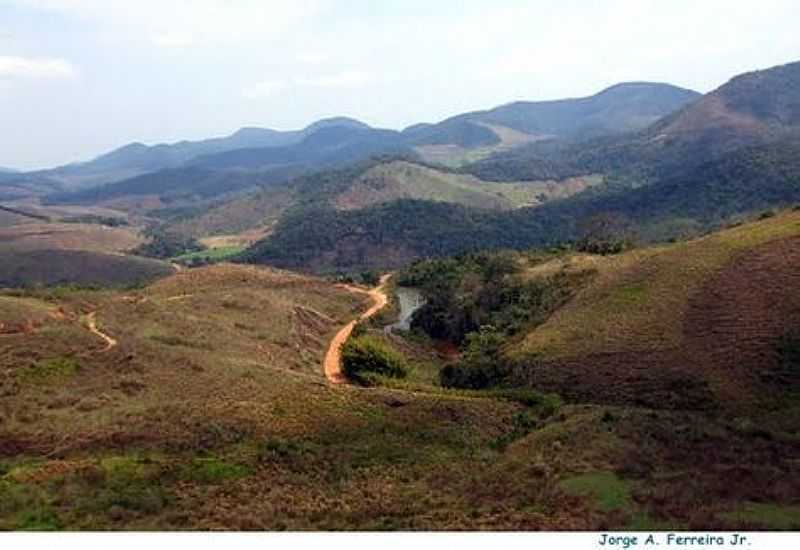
column 179, row 187
column 691, row 325
column 752, row 109
column 32, row 268
column 136, row 158
column 215, row 177
column 15, row 186
column 199, row 402
column 382, row 213
column 621, row 108
column 326, row 146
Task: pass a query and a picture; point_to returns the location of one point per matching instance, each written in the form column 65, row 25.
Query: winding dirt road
column 91, row 324
column 333, row 358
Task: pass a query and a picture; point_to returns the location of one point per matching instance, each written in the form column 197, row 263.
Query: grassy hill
column 699, row 321
column 45, row 254
column 210, row 411
column 622, row 108
column 405, row 180
column 31, row 268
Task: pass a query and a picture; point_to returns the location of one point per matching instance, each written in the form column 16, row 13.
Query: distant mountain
column 136, row 158
column 733, row 152
column 8, row 170
column 329, row 145
column 14, row 185
column 622, row 108
column 215, row 176
column 751, row 109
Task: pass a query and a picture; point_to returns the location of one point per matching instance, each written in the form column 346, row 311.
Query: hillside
column 199, row 402
column 690, row 325
column 15, row 186
column 621, row 108
column 179, row 187
column 210, row 410
column 326, row 146
column 136, row 158
column 471, row 136
column 38, row 267
column 397, row 180
column 752, row 109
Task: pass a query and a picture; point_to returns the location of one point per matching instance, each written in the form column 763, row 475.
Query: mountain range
column 666, row 159
column 731, row 152
column 620, row 108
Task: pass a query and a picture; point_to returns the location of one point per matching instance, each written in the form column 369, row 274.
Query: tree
column 604, row 233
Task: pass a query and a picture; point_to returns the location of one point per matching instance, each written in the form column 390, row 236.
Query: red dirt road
column 332, row 364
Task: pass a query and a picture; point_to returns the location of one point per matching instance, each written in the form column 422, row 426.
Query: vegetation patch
column 26, row 508
column 213, row 470
column 211, row 255
column 609, row 492
column 50, row 371
column 765, row 515
column 366, row 355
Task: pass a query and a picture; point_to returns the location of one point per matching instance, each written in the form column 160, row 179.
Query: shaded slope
column 691, row 325
column 621, row 108
column 136, row 158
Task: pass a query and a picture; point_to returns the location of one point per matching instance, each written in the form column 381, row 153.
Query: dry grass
column 68, row 236
column 213, row 413
column 404, row 180
column 640, row 298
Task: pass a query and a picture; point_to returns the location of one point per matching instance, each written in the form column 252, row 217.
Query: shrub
column 51, row 370
column 213, row 470
column 366, row 355
column 481, row 366
column 370, row 278
column 766, row 214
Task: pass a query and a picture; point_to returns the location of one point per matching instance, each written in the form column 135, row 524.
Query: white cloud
column 264, row 89
column 23, row 67
column 345, row 79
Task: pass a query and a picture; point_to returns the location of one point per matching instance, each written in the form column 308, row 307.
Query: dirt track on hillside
column 332, row 365
column 91, row 324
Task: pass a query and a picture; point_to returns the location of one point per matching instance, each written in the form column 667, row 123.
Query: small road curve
column 91, row 324
column 332, row 364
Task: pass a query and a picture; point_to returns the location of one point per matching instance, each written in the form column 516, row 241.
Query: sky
column 81, row 77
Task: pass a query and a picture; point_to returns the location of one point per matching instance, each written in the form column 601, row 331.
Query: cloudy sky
column 80, row 77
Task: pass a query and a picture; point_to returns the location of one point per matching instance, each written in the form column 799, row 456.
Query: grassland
column 210, row 255
column 76, row 267
column 404, row 180
column 53, row 253
column 212, row 412
column 702, row 317
column 69, row 236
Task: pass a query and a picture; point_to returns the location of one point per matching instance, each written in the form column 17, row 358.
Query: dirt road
column 91, row 324
column 333, row 358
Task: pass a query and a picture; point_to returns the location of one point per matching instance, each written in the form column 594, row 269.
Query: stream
column 410, row 300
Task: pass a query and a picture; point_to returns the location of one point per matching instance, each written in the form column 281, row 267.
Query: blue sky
column 80, row 77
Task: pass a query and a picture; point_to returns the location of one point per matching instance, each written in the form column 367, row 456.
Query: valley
column 178, row 403
column 574, row 314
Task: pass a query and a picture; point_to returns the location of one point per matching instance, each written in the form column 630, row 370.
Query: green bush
column 51, row 370
column 213, row 470
column 481, row 365
column 366, row 355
